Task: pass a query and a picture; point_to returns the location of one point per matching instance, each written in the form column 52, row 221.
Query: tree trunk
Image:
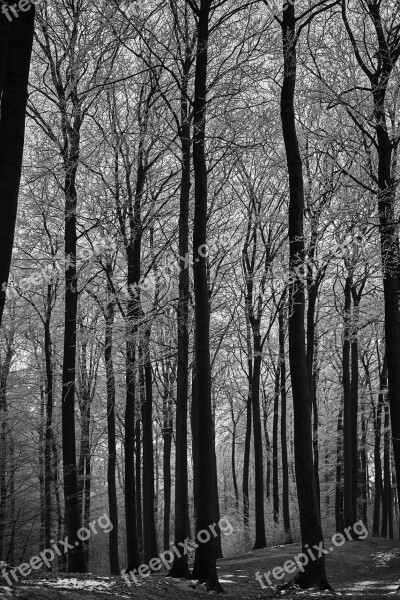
column 310, row 520
column 339, row 514
column 363, row 465
column 275, row 479
column 247, row 441
column 15, row 58
column 113, row 549
column 149, row 528
column 138, row 480
column 377, row 448
column 285, row 469
column 203, row 441
column 167, row 433
column 260, row 541
column 130, row 428
column 347, row 412
column 312, row 375
column 387, row 516
column 180, row 566
column 354, row 407
column 390, row 261
column 48, row 475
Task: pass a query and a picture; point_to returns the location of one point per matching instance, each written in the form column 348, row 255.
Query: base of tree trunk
column 305, row 581
column 179, row 568
column 211, row 584
column 259, row 545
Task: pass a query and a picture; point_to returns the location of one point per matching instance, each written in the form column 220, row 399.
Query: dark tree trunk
column 149, row 528
column 138, row 480
column 284, row 453
column 389, row 252
column 268, row 450
column 218, row 543
column 339, row 514
column 167, row 439
column 312, row 375
column 48, row 475
column 76, row 557
column 347, row 411
column 203, row 440
column 247, row 441
column 233, row 460
column 310, row 520
column 275, row 478
column 113, row 549
column 260, row 541
column 180, row 566
column 84, row 463
column 15, row 58
column 354, row 408
column 378, row 486
column 133, row 314
column 134, row 268
column 363, row 468
column 387, row 515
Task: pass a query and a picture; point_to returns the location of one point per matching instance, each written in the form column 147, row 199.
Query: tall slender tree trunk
column 387, row 515
column 275, row 478
column 339, row 508
column 348, row 488
column 284, row 453
column 203, row 442
column 113, row 549
column 260, row 541
column 130, row 416
column 378, row 484
column 310, row 520
column 48, row 475
column 354, row 407
column 233, row 461
column 138, row 480
column 363, row 465
column 149, row 527
column 312, row 375
column 247, row 441
column 180, row 566
column 167, row 433
column 76, row 558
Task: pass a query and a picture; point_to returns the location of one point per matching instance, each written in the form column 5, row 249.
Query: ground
column 359, row 569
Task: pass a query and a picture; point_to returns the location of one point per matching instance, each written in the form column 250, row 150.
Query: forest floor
column 359, row 569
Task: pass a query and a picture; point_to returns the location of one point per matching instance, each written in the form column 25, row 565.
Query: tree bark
column 113, row 549
column 149, row 527
column 348, row 488
column 285, row 469
column 15, row 58
column 203, row 442
column 275, row 478
column 76, row 557
column 180, row 566
column 310, row 520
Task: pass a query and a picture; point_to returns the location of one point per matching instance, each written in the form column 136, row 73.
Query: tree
column 15, row 59
column 310, row 520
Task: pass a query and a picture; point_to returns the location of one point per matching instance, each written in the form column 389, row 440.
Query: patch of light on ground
column 79, row 584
